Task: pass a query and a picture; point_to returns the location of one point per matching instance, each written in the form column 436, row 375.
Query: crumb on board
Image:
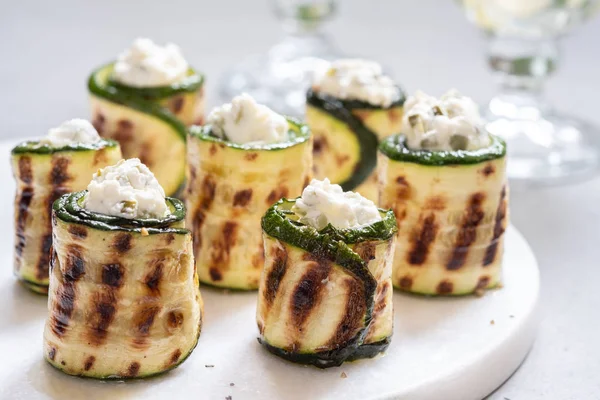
column 144, row 232
column 232, row 384
column 511, row 316
column 492, row 322
column 209, row 366
column 228, row 398
column 343, row 375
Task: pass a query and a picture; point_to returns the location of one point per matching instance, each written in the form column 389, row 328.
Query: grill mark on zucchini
column 492, row 249
column 112, row 275
column 99, row 121
column 422, row 241
column 153, row 278
column 43, row 264
column 174, row 357
column 104, row 303
column 77, row 231
column 488, row 170
column 251, row 156
column 241, row 198
column 89, row 363
column 143, row 320
column 405, row 282
column 197, row 223
column 59, row 173
column 482, row 282
column 366, row 250
column 307, row 293
column 25, row 171
column 207, row 192
column 222, row 246
column 23, row 212
column 468, row 232
column 353, row 320
column 444, row 287
column 122, row 243
column 276, row 274
column 404, row 190
column 215, row 274
column 276, row 194
column 52, row 354
column 133, row 369
column 176, row 104
column 174, row 321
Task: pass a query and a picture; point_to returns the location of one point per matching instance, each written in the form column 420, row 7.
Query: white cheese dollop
column 127, row 189
column 325, row 203
column 451, row 122
column 146, row 64
column 71, row 132
column 356, row 79
column 244, row 121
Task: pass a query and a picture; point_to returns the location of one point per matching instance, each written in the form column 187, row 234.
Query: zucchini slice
column 43, row 174
column 325, row 297
column 124, row 298
column 229, row 188
column 346, row 135
column 149, row 123
column 452, row 210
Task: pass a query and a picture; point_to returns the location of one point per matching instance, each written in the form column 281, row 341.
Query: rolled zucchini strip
column 229, row 188
column 452, row 210
column 44, row 173
column 124, row 297
column 325, row 297
column 149, row 123
column 346, row 135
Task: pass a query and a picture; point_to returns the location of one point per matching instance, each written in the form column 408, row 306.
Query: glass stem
column 521, row 67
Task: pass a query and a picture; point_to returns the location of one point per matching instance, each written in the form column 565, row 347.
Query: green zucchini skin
column 367, row 139
column 395, row 148
column 298, row 133
column 34, row 147
column 329, row 245
column 68, row 208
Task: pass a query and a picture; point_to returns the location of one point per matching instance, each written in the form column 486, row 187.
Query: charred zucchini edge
column 395, row 148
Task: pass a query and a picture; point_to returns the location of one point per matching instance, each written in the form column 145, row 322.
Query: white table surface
column 49, row 47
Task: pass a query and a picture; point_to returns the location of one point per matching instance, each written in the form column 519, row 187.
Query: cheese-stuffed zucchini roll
column 45, row 169
column 325, row 293
column 349, row 109
column 245, row 159
column 444, row 177
column 145, row 100
column 124, row 298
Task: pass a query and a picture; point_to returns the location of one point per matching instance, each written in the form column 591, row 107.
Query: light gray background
column 47, row 49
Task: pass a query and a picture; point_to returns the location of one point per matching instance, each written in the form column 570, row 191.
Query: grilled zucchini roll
column 234, row 176
column 145, row 100
column 349, row 110
column 325, row 293
column 44, row 170
column 445, row 180
column 124, row 298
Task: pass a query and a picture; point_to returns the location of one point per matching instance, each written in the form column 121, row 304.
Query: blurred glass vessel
column 545, row 146
column 281, row 77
